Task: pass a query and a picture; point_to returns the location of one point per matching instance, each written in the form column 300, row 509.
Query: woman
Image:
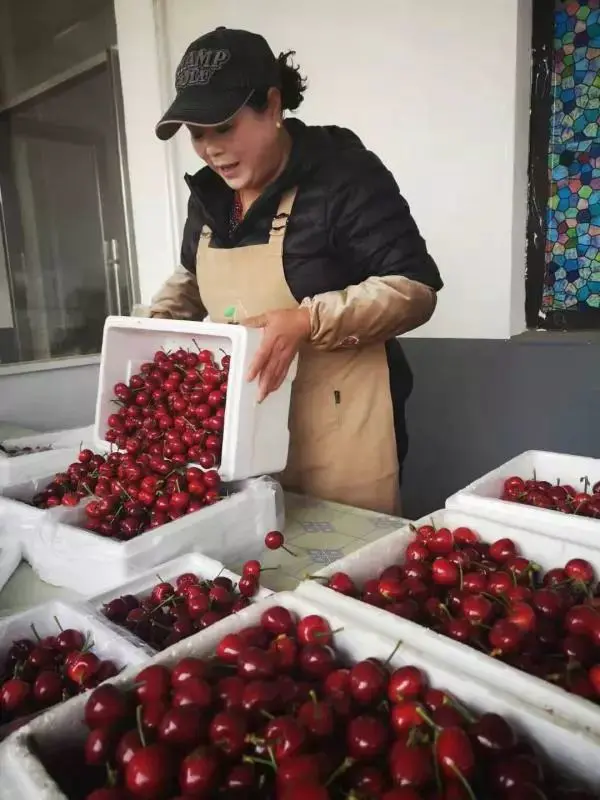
column 303, row 232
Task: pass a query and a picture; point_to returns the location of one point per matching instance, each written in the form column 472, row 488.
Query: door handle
column 112, row 271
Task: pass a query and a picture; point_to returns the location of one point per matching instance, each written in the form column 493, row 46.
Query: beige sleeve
column 375, row 310
column 179, row 297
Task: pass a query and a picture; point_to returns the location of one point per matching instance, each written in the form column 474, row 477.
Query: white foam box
column 64, row 554
column 572, row 749
column 482, row 497
column 196, row 563
column 255, row 436
column 371, row 560
column 20, row 468
column 107, row 643
column 10, row 558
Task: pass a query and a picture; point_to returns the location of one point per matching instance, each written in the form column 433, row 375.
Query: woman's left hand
column 284, row 332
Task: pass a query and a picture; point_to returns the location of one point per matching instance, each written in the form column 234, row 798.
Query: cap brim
column 201, row 106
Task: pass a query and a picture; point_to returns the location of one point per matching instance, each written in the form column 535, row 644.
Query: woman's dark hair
column 293, row 86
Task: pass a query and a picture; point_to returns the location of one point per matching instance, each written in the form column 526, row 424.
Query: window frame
column 539, row 183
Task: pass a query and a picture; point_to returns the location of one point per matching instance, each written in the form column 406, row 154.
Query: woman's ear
column 274, row 104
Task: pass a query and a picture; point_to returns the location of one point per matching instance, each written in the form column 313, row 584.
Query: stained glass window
column 572, row 251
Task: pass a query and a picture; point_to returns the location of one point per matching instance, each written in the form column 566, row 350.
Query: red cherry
column 193, row 691
column 48, row 688
column 129, row 744
column 580, row 570
column 150, row 772
column 444, row 573
column 454, row 753
column 274, row 540
column 153, row 683
column 368, row 682
column 228, row 732
column 317, row 661
column 314, row 629
column 14, row 694
column 410, row 767
column 441, row 542
column 277, row 620
column 99, row 745
column 187, row 668
column 406, row 683
column 502, row 550
column 366, row 737
column 181, row 727
column 254, row 663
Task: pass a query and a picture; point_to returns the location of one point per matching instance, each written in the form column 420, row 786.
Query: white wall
column 439, row 90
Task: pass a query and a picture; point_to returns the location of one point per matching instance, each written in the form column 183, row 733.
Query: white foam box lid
column 202, row 566
column 63, row 554
column 107, row 643
column 571, row 749
column 371, row 560
column 482, row 497
column 255, row 436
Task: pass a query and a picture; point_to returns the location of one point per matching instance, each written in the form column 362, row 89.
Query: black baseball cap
column 217, row 76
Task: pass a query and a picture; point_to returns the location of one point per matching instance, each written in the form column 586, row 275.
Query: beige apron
column 342, row 442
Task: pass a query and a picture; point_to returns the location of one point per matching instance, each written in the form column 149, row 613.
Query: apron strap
column 278, row 225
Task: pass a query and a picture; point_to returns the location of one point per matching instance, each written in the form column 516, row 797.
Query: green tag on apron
column 229, row 312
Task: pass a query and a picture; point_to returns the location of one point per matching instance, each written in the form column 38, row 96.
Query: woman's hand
column 284, row 332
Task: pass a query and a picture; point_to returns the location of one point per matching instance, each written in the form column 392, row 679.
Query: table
column 317, row 532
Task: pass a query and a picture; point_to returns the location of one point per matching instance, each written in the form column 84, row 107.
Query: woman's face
column 245, row 151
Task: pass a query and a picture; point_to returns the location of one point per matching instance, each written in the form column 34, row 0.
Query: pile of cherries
column 40, row 672
column 172, row 611
column 131, row 493
column 276, row 713
column 556, row 497
column 171, row 413
column 490, row 597
column 174, row 408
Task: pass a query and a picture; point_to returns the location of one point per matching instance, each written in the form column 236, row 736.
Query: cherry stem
column 263, row 711
column 436, row 766
column 425, row 716
column 586, row 483
column 463, row 780
column 35, row 633
column 346, row 764
column 140, row 727
column 255, row 760
column 60, row 627
column 287, row 550
column 272, row 757
column 393, row 653
column 111, row 776
column 461, row 710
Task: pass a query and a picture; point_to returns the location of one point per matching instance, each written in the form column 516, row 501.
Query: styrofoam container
column 572, row 750
column 482, row 496
column 106, row 641
column 66, row 555
column 371, row 560
column 256, row 435
column 20, row 468
column 10, row 558
column 202, row 566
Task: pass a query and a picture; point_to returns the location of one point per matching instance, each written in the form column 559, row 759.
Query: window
column 66, row 252
column 563, row 248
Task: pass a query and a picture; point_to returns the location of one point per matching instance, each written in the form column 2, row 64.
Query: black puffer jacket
column 349, row 222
